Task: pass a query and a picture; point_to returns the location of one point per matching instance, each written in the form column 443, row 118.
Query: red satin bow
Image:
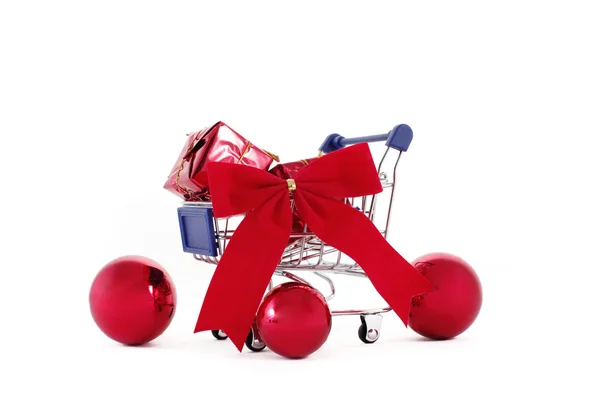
column 254, row 251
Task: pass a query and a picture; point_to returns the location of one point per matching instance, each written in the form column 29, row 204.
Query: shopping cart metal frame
column 206, row 237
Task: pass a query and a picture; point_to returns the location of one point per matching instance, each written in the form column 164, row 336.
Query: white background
column 503, row 97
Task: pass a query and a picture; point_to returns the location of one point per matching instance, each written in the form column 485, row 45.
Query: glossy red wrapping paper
column 188, row 178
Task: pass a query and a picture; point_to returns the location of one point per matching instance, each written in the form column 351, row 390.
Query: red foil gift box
column 289, row 171
column 188, row 178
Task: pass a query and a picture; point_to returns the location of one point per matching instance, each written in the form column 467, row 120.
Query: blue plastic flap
column 197, row 230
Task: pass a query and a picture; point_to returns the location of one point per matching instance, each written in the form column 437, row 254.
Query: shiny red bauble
column 132, row 300
column 294, row 320
column 453, row 306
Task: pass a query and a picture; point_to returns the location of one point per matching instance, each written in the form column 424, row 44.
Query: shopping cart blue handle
column 398, row 138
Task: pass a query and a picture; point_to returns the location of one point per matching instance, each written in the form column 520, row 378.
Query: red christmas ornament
column 294, row 320
column 132, row 300
column 453, row 306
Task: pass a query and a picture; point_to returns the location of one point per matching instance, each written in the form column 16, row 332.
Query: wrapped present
column 188, row 178
column 290, row 171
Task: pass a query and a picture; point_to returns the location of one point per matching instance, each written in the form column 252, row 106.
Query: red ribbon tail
column 245, row 269
column 351, row 232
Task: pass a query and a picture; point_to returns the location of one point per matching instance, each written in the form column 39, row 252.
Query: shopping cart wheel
column 370, row 328
column 253, row 341
column 219, row 334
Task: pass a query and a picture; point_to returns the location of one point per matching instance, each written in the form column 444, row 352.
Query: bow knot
column 291, row 185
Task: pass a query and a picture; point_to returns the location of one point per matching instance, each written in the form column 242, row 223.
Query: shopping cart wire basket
column 206, row 237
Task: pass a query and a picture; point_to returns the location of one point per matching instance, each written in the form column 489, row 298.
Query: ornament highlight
column 294, row 320
column 132, row 300
column 454, row 304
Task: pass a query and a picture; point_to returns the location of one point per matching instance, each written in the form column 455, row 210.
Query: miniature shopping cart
column 206, row 237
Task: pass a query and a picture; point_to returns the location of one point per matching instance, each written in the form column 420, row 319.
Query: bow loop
column 345, row 173
column 236, row 188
